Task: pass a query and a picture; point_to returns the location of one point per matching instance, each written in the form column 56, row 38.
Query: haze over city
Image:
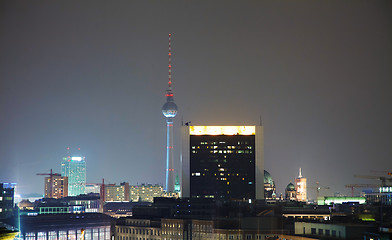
column 93, row 75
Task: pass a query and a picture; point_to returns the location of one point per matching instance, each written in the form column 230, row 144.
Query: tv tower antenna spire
column 170, row 74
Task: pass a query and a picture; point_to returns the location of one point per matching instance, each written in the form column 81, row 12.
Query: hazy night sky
column 92, row 74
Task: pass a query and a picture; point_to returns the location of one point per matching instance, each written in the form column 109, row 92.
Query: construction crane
column 380, row 178
column 353, row 186
column 51, row 174
column 318, row 187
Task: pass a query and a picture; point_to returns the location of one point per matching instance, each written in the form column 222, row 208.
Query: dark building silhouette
column 223, row 162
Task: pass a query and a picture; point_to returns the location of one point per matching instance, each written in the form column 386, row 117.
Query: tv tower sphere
column 169, row 109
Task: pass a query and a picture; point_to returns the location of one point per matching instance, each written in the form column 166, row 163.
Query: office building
column 223, row 162
column 145, row 192
column 300, row 187
column 169, row 110
column 6, row 199
column 117, row 193
column 57, row 189
column 74, row 167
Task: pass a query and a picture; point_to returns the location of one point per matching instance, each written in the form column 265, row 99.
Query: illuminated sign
column 76, row 158
column 222, row 130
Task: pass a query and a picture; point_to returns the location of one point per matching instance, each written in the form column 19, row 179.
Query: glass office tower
column 75, row 169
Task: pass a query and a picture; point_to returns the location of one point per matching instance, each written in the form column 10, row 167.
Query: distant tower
column 300, row 187
column 169, row 110
column 177, row 185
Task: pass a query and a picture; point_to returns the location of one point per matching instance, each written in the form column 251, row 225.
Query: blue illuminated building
column 74, row 167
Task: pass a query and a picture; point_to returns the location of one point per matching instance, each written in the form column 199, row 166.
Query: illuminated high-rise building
column 74, row 167
column 59, row 185
column 169, row 110
column 300, row 187
column 224, row 162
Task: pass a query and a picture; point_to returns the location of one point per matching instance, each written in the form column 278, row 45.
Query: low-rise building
column 94, row 226
column 145, row 192
column 133, row 228
column 334, row 230
column 117, row 193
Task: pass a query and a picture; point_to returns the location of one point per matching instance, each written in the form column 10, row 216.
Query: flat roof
column 222, row 130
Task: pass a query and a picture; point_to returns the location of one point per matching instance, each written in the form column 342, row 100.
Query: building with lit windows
column 222, row 162
column 59, row 185
column 300, row 187
column 75, row 169
column 132, row 228
column 88, row 226
column 384, row 196
column 145, row 192
column 6, row 199
column 117, row 193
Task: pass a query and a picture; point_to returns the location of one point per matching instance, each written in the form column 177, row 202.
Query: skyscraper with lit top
column 74, row 167
column 169, row 110
column 223, row 162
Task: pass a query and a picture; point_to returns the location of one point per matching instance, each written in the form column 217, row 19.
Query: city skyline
column 92, row 75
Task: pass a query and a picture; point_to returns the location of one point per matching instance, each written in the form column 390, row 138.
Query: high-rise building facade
column 224, row 162
column 6, row 199
column 169, row 110
column 75, row 169
column 59, row 185
column 300, row 187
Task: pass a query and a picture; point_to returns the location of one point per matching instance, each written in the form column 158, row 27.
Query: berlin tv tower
column 169, row 110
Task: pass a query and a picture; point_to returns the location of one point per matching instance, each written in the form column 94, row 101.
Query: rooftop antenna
column 261, row 122
column 300, row 174
column 67, row 152
column 170, row 74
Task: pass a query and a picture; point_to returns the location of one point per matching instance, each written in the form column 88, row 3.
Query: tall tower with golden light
column 169, row 110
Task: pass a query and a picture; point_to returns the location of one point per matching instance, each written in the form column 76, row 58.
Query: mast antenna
column 170, row 73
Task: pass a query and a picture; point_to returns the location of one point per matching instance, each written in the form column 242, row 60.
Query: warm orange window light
column 222, row 130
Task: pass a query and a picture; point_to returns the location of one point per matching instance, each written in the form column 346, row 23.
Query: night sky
column 92, row 74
